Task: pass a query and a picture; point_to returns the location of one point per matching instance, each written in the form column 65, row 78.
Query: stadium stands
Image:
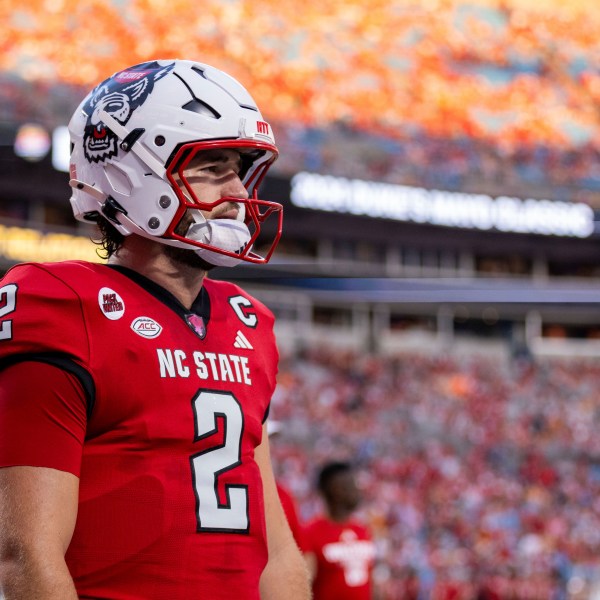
column 483, row 96
column 481, row 477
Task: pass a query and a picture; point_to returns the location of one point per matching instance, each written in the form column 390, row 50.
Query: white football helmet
column 135, row 133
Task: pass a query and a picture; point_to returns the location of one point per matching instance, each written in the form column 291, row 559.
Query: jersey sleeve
column 42, row 417
column 41, row 317
column 45, row 384
column 289, row 508
column 307, row 539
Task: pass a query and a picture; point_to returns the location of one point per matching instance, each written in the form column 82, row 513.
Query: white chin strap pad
column 226, row 234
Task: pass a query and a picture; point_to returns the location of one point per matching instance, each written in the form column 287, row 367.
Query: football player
column 134, row 395
column 339, row 550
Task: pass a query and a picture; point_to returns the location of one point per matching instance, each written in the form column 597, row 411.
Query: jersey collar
column 200, row 306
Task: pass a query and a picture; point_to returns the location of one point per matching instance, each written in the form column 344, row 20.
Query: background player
column 288, row 502
column 338, row 549
column 132, row 418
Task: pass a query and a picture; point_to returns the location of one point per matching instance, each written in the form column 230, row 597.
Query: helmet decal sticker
column 119, row 96
column 111, row 304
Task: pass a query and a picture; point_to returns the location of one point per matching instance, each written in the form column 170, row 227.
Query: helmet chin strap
column 231, row 235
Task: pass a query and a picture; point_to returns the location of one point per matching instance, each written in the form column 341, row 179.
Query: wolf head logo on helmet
column 132, row 138
column 119, row 96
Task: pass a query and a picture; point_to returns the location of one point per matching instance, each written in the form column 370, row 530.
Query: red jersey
column 289, row 508
column 345, row 554
column 159, row 415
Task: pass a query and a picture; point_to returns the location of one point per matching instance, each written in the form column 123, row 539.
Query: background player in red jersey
column 134, row 395
column 288, row 502
column 338, row 549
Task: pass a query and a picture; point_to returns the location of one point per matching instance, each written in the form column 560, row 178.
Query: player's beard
column 183, row 256
column 188, row 258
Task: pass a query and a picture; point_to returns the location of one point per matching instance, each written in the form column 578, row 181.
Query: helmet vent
column 201, row 108
column 199, row 71
column 196, row 105
column 202, row 74
column 119, row 180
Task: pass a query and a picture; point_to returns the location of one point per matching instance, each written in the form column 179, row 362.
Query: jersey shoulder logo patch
column 244, row 310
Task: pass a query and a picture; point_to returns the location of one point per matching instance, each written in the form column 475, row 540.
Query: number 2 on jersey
column 230, row 516
column 8, row 303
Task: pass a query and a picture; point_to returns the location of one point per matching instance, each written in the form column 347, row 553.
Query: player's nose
column 234, row 188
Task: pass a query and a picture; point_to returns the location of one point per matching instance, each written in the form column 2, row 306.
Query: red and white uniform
column 288, row 503
column 159, row 424
column 345, row 554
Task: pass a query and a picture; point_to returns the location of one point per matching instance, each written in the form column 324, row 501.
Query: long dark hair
column 109, row 239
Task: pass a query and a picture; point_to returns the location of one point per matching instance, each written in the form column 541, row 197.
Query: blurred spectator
column 480, row 478
column 492, row 97
column 339, row 550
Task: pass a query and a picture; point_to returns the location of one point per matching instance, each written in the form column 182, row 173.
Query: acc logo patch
column 146, row 327
column 111, row 304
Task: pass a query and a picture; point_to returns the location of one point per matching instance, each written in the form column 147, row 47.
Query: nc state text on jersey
column 208, row 365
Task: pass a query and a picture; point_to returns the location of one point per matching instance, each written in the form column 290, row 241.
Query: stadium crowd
column 417, row 158
column 482, row 480
column 486, row 96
